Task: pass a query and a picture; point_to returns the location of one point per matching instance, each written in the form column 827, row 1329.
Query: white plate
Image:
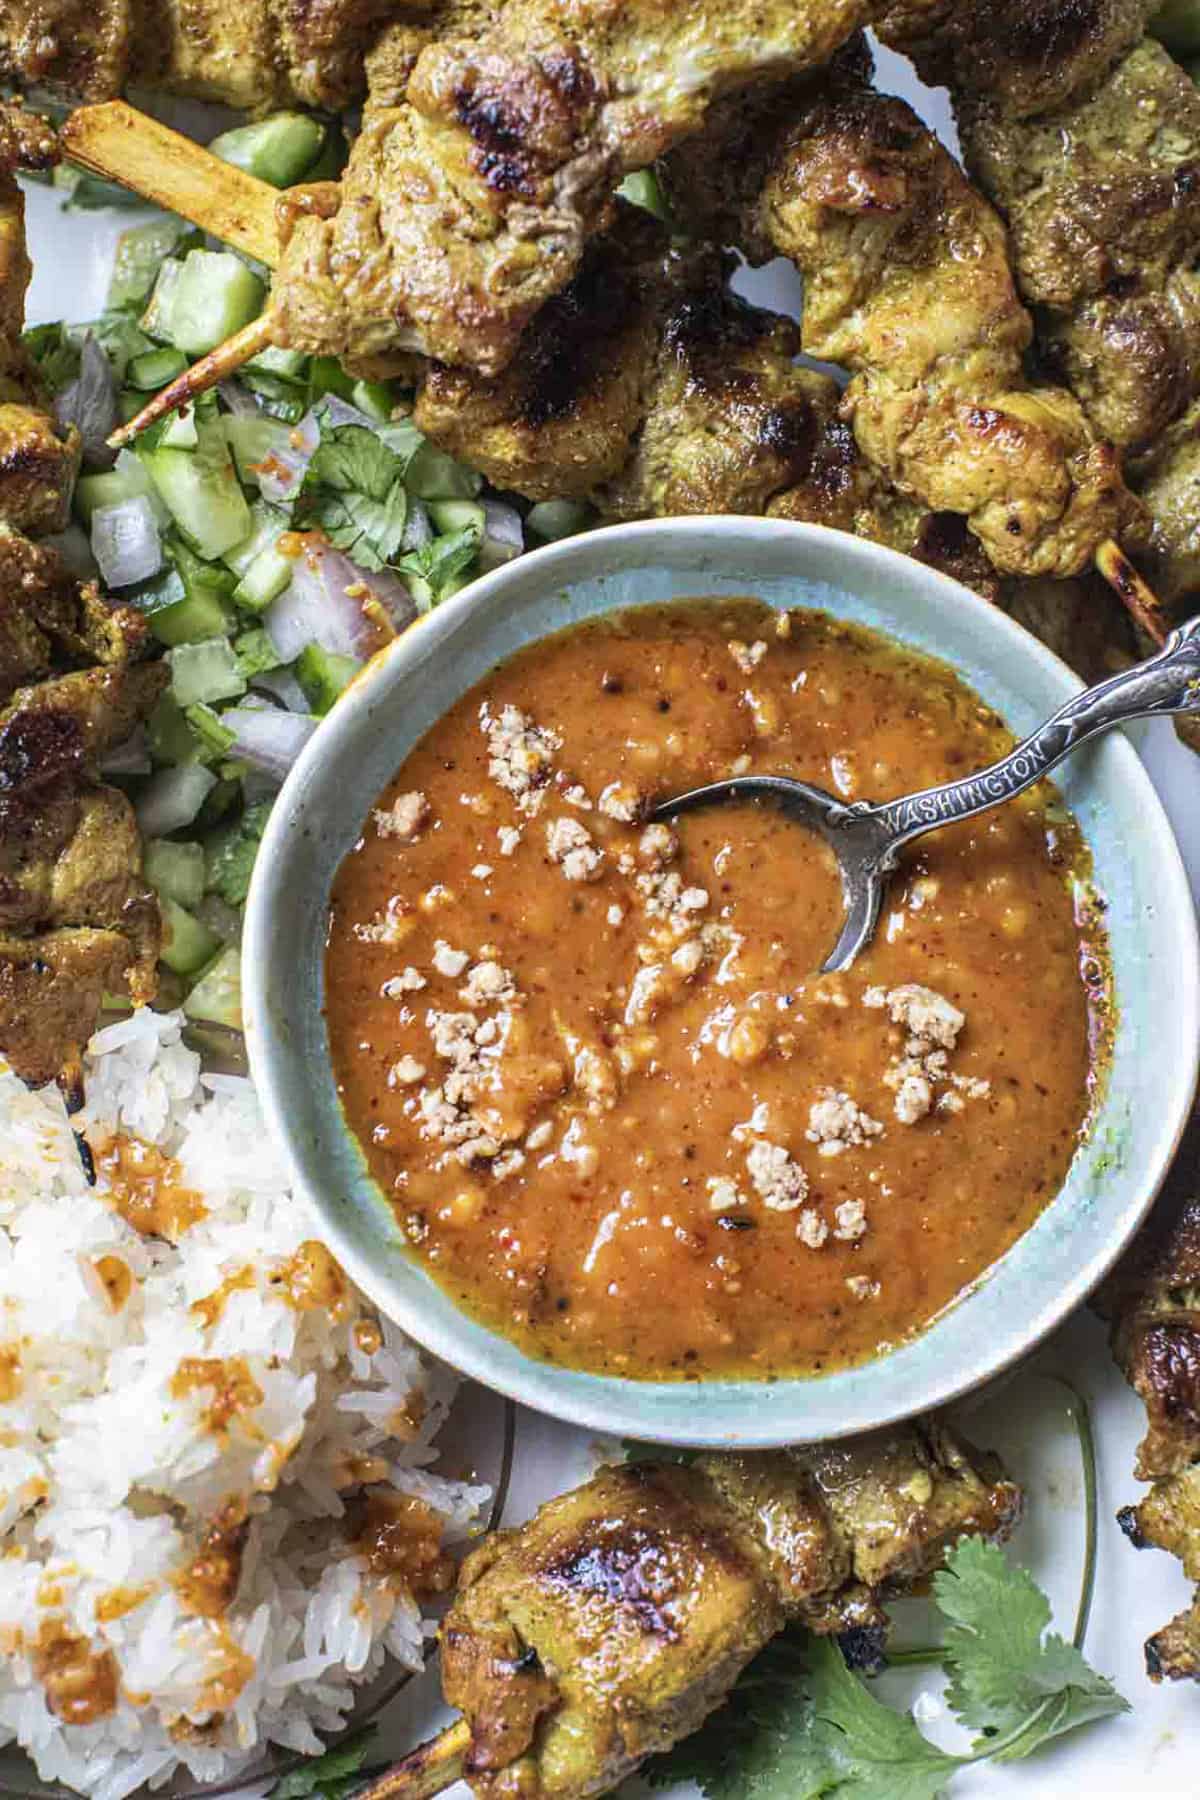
column 1151, row 1751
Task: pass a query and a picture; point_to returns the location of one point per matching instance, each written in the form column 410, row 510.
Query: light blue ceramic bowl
column 1151, row 923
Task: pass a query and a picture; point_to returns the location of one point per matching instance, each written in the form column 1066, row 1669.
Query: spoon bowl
column 867, row 837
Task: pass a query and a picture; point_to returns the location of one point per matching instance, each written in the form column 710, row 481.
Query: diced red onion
column 75, row 549
column 280, row 476
column 283, row 686
column 418, row 526
column 239, row 400
column 90, row 402
column 392, row 593
column 172, row 798
column 269, row 739
column 130, row 758
column 125, row 542
column 317, row 608
column 340, row 412
column 502, row 526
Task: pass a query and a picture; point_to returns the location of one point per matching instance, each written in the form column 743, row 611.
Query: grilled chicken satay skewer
column 619, row 1617
column 1086, row 136
column 488, row 159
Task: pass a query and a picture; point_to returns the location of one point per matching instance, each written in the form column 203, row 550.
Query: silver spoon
column 868, row 836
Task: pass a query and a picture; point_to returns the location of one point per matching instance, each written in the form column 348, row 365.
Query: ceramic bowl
column 1151, row 923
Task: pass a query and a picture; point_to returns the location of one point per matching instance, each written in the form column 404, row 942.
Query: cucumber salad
column 276, row 533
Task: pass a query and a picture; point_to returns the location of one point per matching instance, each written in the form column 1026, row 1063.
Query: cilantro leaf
column 441, row 561
column 229, row 859
column 353, row 460
column 331, row 1776
column 1004, row 1667
column 369, row 531
column 255, row 653
column 882, row 1754
column 764, row 1744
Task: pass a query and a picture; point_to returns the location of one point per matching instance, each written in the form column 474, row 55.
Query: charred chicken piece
column 1167, row 479
column 256, row 55
column 1102, row 200
column 619, row 1617
column 908, row 285
column 650, row 389
column 1025, row 57
column 38, row 461
column 466, row 206
column 52, row 987
column 61, row 726
column 46, row 616
column 1153, row 1302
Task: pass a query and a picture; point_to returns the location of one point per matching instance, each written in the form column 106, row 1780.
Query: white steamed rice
column 108, row 1481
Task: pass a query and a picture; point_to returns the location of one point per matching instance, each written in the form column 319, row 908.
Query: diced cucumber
column 457, row 515
column 274, row 361
column 155, row 321
column 256, row 654
column 278, row 395
column 253, row 440
column 175, row 871
column 432, row 475
column 220, row 799
column 198, row 576
column 327, row 376
column 373, row 398
column 141, row 252
column 217, row 995
column 266, row 525
column 155, row 368
column 264, row 579
column 180, row 431
column 550, row 520
column 205, row 671
column 124, row 482
column 214, row 738
column 215, row 295
column 323, row 675
column 167, row 734
column 281, row 149
column 187, row 944
column 201, row 491
column 193, row 620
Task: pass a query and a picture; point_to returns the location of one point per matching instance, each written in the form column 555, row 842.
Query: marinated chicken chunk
column 1025, row 55
column 610, row 1625
column 562, row 418
column 1153, row 1302
column 60, row 726
column 469, row 204
column 38, row 461
column 1102, row 200
column 1167, row 481
column 908, row 285
column 46, row 616
column 51, row 990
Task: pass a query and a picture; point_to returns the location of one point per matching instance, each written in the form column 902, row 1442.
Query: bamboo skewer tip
column 217, row 366
column 427, row 1770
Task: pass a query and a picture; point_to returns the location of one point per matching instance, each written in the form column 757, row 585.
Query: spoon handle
column 1168, row 682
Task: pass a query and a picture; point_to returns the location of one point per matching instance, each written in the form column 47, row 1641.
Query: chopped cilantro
column 332, row 1776
column 440, row 562
column 369, row 531
column 799, row 1724
column 354, row 460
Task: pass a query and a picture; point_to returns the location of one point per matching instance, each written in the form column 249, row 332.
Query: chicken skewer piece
column 610, row 1625
column 1153, row 1304
column 76, row 920
column 908, row 286
column 488, row 159
column 1094, row 161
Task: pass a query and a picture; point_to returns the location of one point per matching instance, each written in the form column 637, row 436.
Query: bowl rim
column 571, row 1395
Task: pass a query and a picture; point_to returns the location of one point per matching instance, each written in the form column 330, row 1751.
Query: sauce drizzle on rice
column 146, row 1187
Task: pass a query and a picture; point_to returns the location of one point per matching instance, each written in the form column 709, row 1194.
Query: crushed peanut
column 571, row 846
column 406, row 818
column 780, row 1183
column 837, row 1123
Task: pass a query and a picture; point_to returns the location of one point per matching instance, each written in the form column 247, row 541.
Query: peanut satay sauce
column 620, row 1117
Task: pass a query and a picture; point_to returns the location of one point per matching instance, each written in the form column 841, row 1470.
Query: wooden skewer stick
column 225, row 360
column 123, row 145
column 427, row 1770
column 1135, row 594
